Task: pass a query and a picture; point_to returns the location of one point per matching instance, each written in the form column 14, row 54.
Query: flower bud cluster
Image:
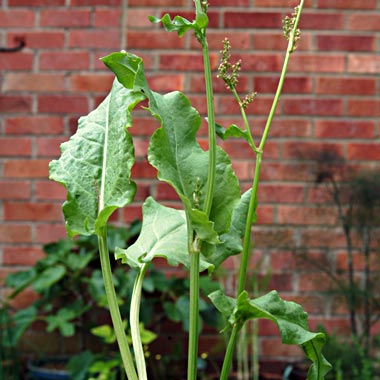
column 227, row 71
column 288, row 26
column 248, row 99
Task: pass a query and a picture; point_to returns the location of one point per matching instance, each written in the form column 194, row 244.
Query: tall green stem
column 134, row 320
column 194, row 246
column 253, row 200
column 114, row 307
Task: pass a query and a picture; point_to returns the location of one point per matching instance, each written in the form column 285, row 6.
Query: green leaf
column 181, row 162
column 105, row 332
column 21, row 320
column 233, row 131
column 231, row 243
column 79, row 364
column 48, row 278
column 289, row 317
column 95, row 164
column 62, row 322
column 163, row 234
column 178, row 24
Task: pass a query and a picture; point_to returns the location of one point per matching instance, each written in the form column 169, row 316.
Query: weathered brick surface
column 331, row 101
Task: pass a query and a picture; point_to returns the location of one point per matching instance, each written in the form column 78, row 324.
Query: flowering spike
column 288, row 26
column 227, row 71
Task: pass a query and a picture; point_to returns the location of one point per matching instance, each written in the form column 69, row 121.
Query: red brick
column 22, row 255
column 15, row 18
column 34, row 125
column 66, row 18
column 66, row 60
column 62, row 104
column 252, row 20
column 185, row 62
column 35, row 3
column 15, row 146
column 17, row 61
column 363, row 151
column 364, row 22
column 312, row 106
column 49, row 146
column 50, row 190
column 307, row 150
column 106, row 17
column 138, row 18
column 344, row 129
column 321, row 21
column 344, row 4
column 240, row 3
column 366, row 64
column 34, row 82
column 292, row 85
column 346, row 86
column 91, row 82
column 166, row 83
column 94, row 39
column 281, row 193
column 280, row 3
column 286, row 127
column 40, row 39
column 14, row 189
column 95, row 2
column 49, row 232
column 152, row 40
column 239, row 40
column 149, row 3
column 364, row 107
column 276, row 41
column 23, row 211
column 260, row 62
column 15, row 233
column 317, row 63
column 15, row 103
column 345, row 43
column 306, row 215
column 272, row 347
column 26, row 169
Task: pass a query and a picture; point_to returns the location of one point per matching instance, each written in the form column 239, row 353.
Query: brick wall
column 331, row 100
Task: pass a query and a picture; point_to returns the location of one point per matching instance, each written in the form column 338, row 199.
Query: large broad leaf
column 289, row 317
column 182, row 163
column 95, row 163
column 163, row 234
column 176, row 154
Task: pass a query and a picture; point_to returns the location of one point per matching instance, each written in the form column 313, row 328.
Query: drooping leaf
column 163, row 234
column 95, row 163
column 178, row 24
column 231, row 241
column 21, row 320
column 233, row 131
column 289, row 317
column 182, row 163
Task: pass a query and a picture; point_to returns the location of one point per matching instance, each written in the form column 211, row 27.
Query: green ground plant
column 216, row 219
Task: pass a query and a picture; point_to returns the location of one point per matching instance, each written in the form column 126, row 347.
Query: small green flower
column 288, row 26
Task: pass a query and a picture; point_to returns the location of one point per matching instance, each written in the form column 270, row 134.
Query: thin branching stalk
column 252, row 205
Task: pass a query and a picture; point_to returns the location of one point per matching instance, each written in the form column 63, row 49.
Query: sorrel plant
column 216, row 220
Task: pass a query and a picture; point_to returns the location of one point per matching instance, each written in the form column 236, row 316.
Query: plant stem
column 114, row 307
column 253, row 200
column 194, row 315
column 194, row 245
column 134, row 320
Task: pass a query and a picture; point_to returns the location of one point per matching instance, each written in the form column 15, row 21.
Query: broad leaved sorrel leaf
column 233, row 131
column 231, row 243
column 289, row 317
column 163, row 234
column 180, row 24
column 176, row 154
column 95, row 163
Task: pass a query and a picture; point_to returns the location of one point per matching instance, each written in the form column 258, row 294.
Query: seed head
column 227, row 71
